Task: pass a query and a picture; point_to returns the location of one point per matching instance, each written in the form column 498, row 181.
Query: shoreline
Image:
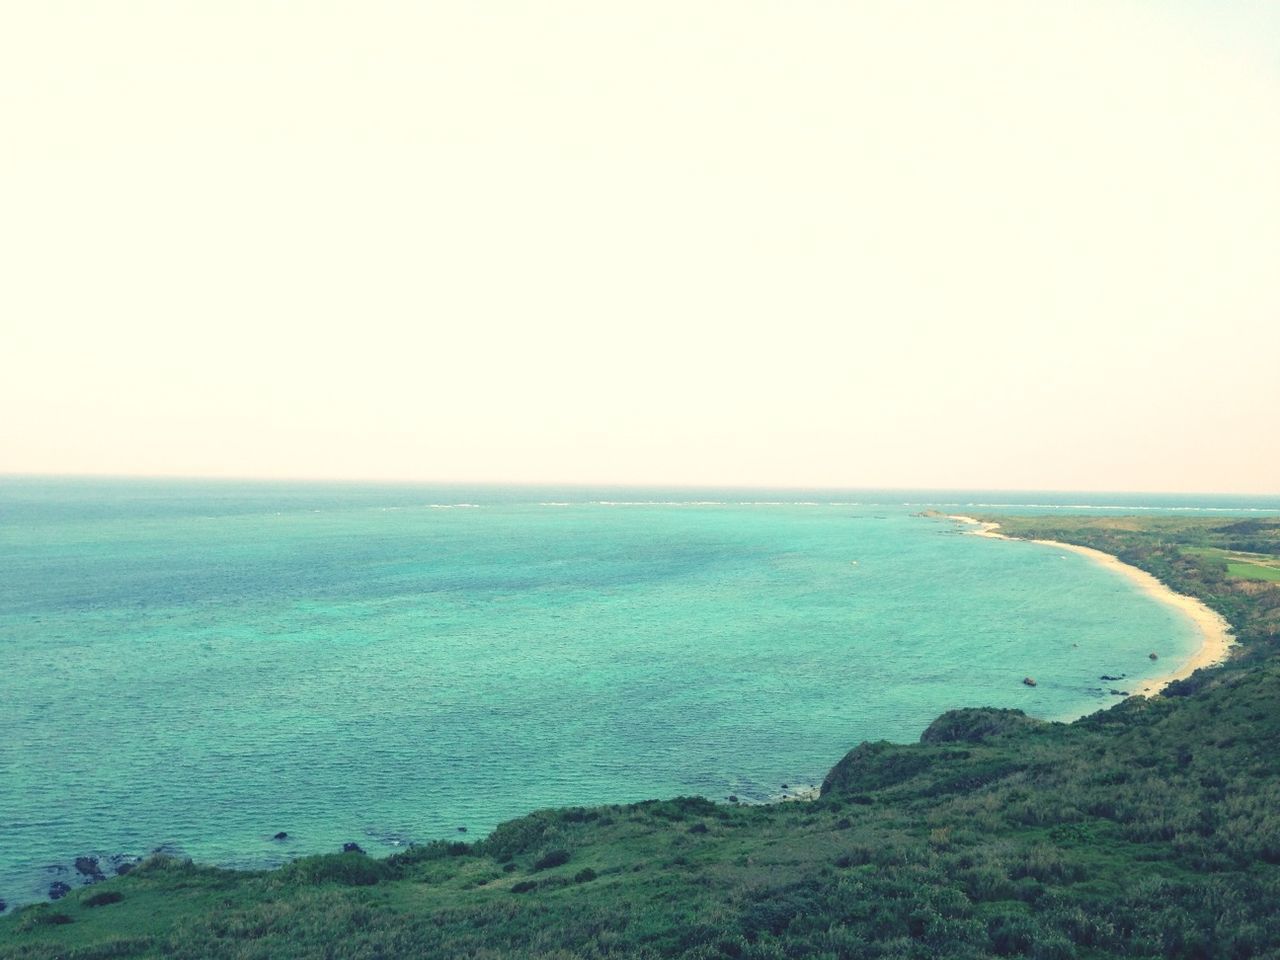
column 1216, row 639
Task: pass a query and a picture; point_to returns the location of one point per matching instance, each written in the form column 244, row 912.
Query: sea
column 197, row 666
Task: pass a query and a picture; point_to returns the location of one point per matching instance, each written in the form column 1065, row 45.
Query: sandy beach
column 1215, row 633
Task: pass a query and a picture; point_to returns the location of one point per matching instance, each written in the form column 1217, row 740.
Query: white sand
column 1215, row 633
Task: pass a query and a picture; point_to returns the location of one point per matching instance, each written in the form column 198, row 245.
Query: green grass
column 1151, row 829
column 1253, row 571
column 1245, row 566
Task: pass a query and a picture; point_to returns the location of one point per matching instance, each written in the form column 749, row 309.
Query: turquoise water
column 200, row 665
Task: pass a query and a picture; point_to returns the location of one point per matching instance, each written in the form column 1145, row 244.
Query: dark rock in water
column 281, row 836
column 122, row 863
column 1111, row 678
column 785, row 787
column 732, row 798
column 352, row 848
column 88, row 867
column 1118, row 693
column 3, row 906
column 58, row 889
column 1029, row 681
column 1153, row 656
column 462, row 829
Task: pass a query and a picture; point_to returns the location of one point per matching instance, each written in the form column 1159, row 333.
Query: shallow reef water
column 201, row 666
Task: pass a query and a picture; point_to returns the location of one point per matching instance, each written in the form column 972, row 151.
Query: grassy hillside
column 1151, row 829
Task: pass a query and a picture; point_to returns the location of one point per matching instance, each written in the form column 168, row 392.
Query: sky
column 991, row 245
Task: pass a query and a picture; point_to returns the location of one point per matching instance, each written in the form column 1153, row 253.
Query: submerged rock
column 1153, row 656
column 1029, row 681
column 352, row 848
column 3, row 906
column 59, row 889
column 281, row 836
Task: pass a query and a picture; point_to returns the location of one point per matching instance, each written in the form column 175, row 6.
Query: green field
column 1246, row 566
column 1151, row 829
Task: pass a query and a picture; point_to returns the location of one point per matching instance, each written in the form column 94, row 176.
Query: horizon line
column 610, row 484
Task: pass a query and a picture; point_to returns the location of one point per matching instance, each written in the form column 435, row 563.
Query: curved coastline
column 1216, row 639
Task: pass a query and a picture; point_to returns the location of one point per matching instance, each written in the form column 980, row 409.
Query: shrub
column 1011, row 934
column 975, row 725
column 347, row 869
column 524, row 886
column 103, row 898
column 585, row 875
column 515, row 837
column 552, row 858
column 41, row 915
column 776, row 908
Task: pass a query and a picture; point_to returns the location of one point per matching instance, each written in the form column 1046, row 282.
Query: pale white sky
column 989, row 244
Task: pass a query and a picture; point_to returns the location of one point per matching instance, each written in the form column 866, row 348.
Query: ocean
column 196, row 666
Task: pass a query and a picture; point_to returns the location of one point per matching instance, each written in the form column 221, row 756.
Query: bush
column 776, row 908
column 41, row 915
column 975, row 725
column 585, row 876
column 1011, row 934
column 515, row 837
column 524, row 886
column 552, row 858
column 103, row 898
column 435, row 850
column 347, row 869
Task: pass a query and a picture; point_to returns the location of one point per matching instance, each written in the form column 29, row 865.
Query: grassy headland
column 1151, row 829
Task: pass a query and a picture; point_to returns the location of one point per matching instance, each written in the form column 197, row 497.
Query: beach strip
column 1216, row 639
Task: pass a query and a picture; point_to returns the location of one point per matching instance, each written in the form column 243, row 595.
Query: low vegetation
column 1151, row 829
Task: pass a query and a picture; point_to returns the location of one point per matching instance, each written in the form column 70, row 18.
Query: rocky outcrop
column 874, row 766
column 88, row 867
column 975, row 725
